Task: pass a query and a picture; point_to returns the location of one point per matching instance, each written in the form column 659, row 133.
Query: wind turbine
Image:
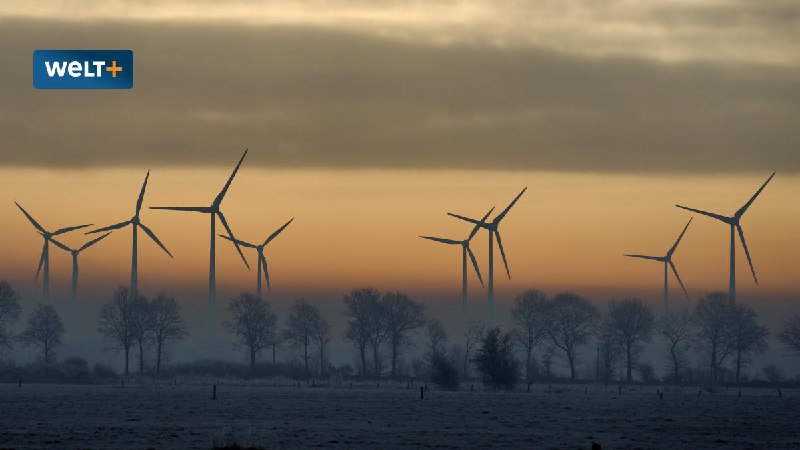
column 465, row 250
column 135, row 223
column 75, row 253
column 492, row 228
column 45, row 258
column 213, row 211
column 262, row 261
column 733, row 221
column 667, row 260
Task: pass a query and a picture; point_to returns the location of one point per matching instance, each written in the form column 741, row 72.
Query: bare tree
column 472, row 337
column 45, row 330
column 712, row 318
column 321, row 338
column 9, row 312
column 115, row 323
column 437, row 338
column 275, row 342
column 632, row 323
column 790, row 334
column 377, row 333
column 401, row 315
column 608, row 349
column 495, row 359
column 747, row 337
column 676, row 329
column 168, row 325
column 359, row 305
column 528, row 315
column 570, row 321
column 252, row 324
column 301, row 325
column 142, row 324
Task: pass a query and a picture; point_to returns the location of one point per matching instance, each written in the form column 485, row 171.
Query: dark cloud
column 313, row 97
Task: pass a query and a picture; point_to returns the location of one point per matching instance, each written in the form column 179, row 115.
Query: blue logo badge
column 83, row 69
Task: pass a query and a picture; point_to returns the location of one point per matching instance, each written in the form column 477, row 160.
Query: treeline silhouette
column 712, row 342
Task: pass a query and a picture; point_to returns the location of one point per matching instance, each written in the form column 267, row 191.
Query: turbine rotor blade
column 654, row 258
column 476, row 222
column 678, row 277
column 508, row 208
column 141, row 194
column 240, row 242
column 221, row 194
column 678, row 241
column 477, row 227
column 41, row 260
column 706, row 213
column 277, row 232
column 266, row 269
column 233, row 239
column 30, row 218
column 110, row 227
column 202, row 209
column 475, row 265
column 61, row 246
column 442, row 240
column 502, row 252
column 68, row 229
column 746, row 252
column 154, row 238
column 753, row 198
column 92, row 242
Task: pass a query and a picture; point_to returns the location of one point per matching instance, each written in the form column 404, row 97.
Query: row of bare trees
column 44, row 329
column 716, row 329
column 131, row 320
column 379, row 324
column 375, row 320
column 255, row 328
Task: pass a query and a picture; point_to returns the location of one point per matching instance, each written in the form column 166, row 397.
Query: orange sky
column 360, row 227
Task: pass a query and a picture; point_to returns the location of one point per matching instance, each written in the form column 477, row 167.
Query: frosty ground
column 570, row 417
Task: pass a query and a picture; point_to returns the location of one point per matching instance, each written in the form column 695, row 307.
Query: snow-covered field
column 185, row 417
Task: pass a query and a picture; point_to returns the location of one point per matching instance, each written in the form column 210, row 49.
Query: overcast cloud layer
column 697, row 86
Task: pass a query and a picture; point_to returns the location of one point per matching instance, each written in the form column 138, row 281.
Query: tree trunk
column 394, row 358
column 127, row 359
column 629, row 356
column 675, row 367
column 571, row 359
column 528, row 364
column 158, row 357
column 46, row 352
column 305, row 356
column 363, row 349
column 738, row 365
column 713, row 365
column 376, row 359
column 252, row 360
column 141, row 357
column 273, row 352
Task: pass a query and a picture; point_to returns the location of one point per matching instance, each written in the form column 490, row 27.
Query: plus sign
column 114, row 68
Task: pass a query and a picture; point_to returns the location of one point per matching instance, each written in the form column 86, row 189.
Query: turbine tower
column 75, row 253
column 465, row 250
column 45, row 258
column 733, row 222
column 667, row 260
column 135, row 223
column 492, row 228
column 262, row 261
column 214, row 211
